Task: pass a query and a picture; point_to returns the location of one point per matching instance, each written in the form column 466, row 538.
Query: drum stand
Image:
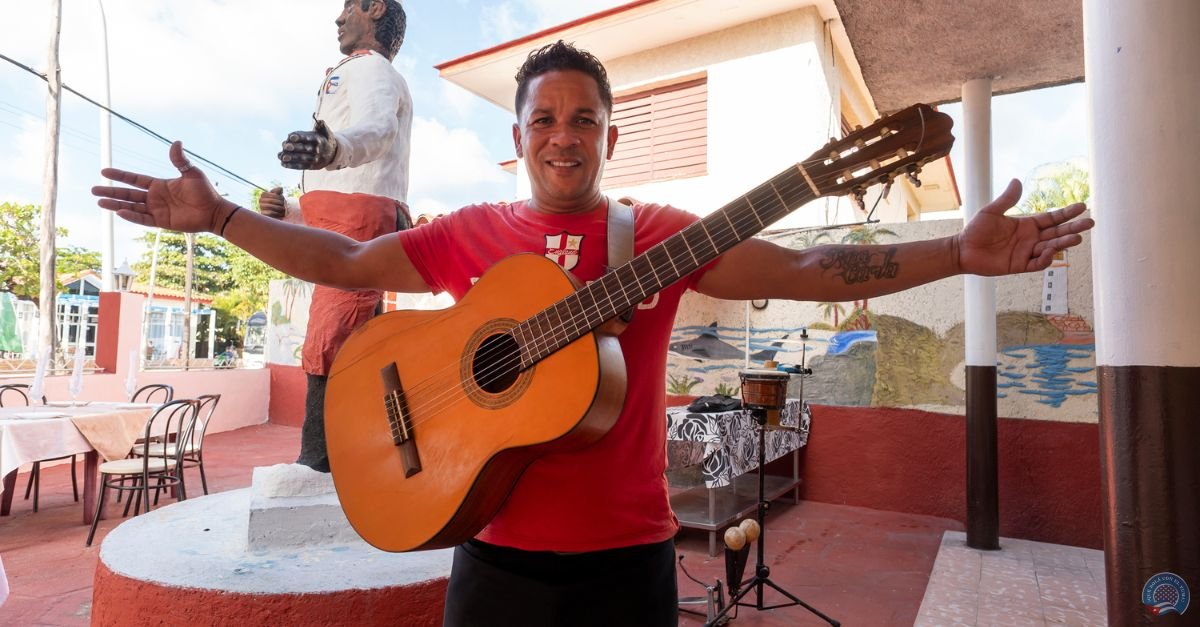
column 762, row 573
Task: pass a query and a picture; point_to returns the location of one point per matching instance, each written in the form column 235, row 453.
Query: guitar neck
column 661, row 266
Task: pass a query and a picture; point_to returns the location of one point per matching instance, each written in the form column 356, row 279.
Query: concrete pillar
column 118, row 330
column 979, row 294
column 1143, row 90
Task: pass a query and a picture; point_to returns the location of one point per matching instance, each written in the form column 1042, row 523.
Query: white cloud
column 203, row 55
column 499, row 22
column 554, row 12
column 24, row 158
column 446, row 159
column 512, row 19
column 457, row 99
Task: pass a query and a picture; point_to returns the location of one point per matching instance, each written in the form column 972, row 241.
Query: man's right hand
column 272, row 204
column 188, row 204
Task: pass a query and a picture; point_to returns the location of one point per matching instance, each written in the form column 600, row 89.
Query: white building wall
column 773, row 100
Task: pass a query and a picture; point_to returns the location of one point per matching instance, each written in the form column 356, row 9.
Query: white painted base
column 292, row 505
column 202, row 543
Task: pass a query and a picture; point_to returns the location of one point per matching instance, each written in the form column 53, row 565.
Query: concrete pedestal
column 197, row 562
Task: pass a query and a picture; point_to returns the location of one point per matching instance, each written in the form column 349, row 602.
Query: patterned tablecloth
column 726, row 443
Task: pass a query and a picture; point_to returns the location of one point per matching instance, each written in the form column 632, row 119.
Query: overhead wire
column 134, row 123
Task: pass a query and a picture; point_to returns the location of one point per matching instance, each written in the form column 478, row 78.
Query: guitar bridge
column 399, row 419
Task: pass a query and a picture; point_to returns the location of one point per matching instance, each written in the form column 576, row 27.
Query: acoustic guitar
column 434, row 415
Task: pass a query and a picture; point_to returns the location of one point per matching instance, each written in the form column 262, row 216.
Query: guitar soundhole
column 496, row 364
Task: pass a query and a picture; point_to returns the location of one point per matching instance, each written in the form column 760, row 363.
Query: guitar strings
column 507, row 365
column 512, row 363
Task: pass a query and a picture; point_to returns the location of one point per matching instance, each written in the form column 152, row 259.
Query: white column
column 1143, row 77
column 1143, row 89
column 107, row 262
column 979, row 292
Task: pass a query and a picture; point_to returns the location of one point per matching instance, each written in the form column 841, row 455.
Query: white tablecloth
column 29, row 434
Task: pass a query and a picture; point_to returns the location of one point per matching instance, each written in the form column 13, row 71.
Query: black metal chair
column 148, row 393
column 18, row 396
column 171, row 422
column 193, row 446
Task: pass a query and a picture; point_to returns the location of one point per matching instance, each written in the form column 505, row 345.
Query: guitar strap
column 620, row 240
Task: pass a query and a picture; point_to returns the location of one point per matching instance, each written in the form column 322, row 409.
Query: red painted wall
column 288, row 387
column 914, row 461
column 119, row 601
column 907, row 460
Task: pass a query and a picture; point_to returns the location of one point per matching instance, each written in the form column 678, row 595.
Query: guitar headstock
column 894, row 146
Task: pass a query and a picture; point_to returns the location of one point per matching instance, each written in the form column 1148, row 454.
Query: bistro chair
column 171, row 422
column 154, row 393
column 193, row 446
column 17, row 395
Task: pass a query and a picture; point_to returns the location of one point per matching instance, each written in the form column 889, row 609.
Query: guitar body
column 474, row 433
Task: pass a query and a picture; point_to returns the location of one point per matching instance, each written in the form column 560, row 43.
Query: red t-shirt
column 613, row 493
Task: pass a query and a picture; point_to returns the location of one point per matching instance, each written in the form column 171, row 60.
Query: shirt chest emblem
column 563, row 249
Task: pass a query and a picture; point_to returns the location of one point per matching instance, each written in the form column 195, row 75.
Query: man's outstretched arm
column 190, row 204
column 992, row 244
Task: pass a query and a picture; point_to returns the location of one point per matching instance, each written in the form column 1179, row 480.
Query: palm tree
column 832, row 309
column 809, row 239
column 1056, row 185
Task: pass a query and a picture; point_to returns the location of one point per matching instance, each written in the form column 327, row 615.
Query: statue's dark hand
column 309, row 150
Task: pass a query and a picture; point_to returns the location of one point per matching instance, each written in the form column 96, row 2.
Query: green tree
column 211, row 263
column 1056, row 185
column 76, row 259
column 20, row 259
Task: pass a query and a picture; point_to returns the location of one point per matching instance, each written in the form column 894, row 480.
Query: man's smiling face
column 563, row 134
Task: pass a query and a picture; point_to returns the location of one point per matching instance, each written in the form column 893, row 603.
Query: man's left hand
column 309, row 150
column 994, row 244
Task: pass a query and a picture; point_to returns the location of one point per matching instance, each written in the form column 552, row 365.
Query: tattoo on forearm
column 855, row 265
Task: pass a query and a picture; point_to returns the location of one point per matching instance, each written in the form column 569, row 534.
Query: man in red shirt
column 585, row 538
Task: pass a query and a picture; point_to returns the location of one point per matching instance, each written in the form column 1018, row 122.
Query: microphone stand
column 762, row 573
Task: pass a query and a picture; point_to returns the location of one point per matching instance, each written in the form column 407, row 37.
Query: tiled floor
column 49, row 569
column 860, row 566
column 1024, row 583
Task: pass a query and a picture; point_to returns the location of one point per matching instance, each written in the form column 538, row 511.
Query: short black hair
column 560, row 56
column 389, row 29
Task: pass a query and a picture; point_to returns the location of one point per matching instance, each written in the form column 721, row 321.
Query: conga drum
column 765, row 389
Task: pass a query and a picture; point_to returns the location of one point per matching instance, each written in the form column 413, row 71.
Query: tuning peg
column 857, row 195
column 911, row 175
column 887, row 187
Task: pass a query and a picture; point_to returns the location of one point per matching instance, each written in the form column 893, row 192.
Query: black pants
column 312, row 434
column 498, row 586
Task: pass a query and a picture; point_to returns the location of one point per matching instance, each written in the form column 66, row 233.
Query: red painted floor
column 860, row 566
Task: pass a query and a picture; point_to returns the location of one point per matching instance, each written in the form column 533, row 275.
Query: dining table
column 96, row 429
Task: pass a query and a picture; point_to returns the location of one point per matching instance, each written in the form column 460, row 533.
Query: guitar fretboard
column 660, row 266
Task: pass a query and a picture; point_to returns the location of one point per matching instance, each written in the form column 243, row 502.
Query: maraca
column 750, row 529
column 735, row 539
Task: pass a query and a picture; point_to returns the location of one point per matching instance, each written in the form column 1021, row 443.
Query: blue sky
column 230, row 79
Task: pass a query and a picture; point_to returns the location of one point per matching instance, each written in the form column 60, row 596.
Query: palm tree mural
column 863, row 236
column 809, row 239
column 834, row 310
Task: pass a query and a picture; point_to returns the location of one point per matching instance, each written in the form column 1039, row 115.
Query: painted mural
column 287, row 319
column 901, row 350
column 288, row 316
